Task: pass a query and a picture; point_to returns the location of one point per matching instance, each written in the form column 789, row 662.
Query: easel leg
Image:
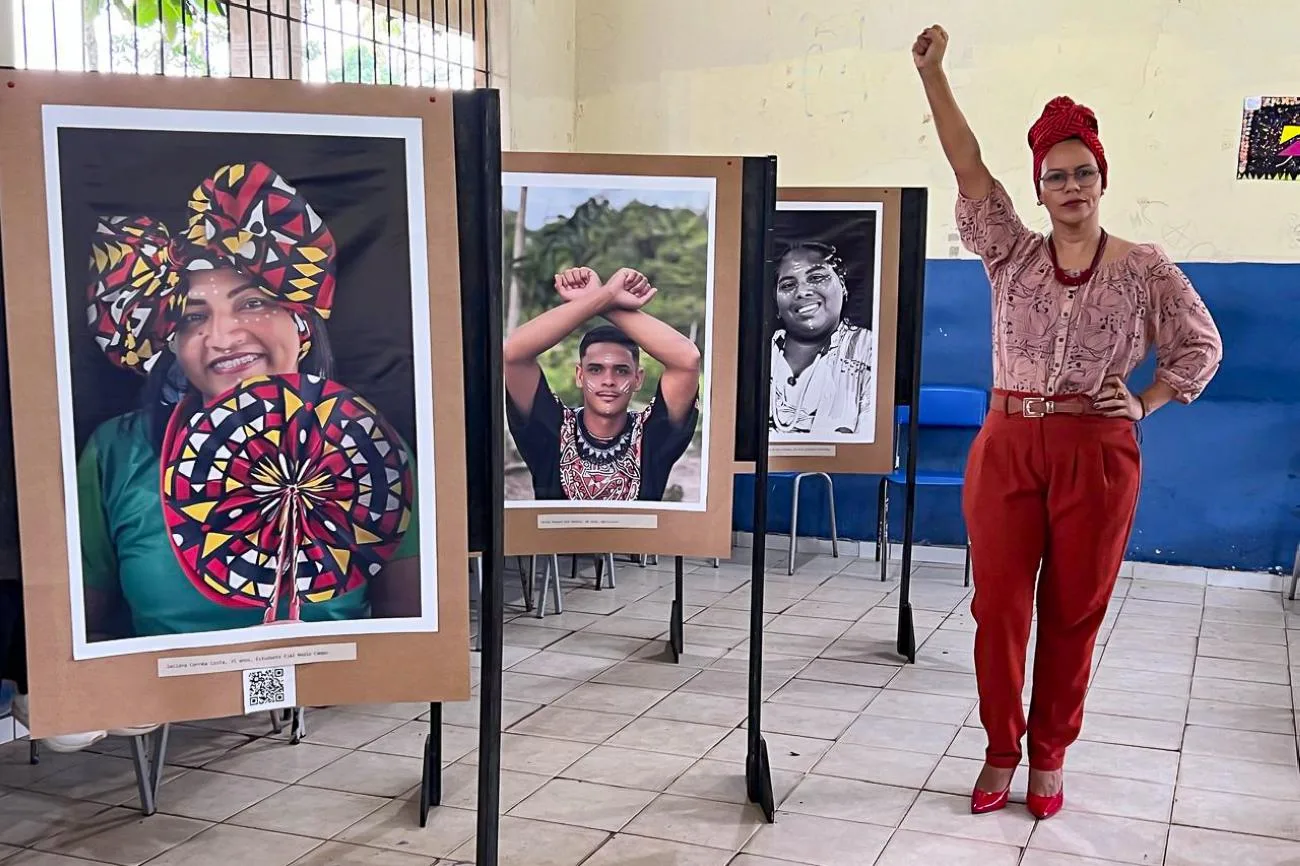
column 431, row 778
column 676, row 624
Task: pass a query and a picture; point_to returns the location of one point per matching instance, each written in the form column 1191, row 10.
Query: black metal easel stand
column 478, row 177
column 757, row 281
column 911, row 274
column 431, row 778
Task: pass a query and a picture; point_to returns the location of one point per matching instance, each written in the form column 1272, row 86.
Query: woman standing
column 1052, row 480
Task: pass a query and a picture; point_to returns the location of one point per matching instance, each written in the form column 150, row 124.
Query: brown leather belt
column 1041, row 407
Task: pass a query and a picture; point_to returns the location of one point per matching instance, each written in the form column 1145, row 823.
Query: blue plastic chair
column 942, row 407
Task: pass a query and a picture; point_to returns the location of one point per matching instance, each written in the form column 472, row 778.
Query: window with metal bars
column 418, row 43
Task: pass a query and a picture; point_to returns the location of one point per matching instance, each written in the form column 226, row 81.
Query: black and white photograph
column 607, row 339
column 824, row 348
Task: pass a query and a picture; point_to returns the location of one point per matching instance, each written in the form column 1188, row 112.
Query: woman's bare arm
column 959, row 144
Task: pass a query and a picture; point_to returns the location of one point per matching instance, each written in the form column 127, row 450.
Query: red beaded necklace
column 1067, row 279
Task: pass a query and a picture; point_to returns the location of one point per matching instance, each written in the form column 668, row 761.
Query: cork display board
column 233, row 316
column 835, row 339
column 621, row 282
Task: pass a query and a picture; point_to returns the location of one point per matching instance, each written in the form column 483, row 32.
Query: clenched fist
column 929, row 48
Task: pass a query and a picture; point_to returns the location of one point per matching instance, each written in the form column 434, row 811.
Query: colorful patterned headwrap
column 1063, row 119
column 244, row 216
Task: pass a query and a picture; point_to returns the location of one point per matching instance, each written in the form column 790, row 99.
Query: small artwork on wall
column 1270, row 139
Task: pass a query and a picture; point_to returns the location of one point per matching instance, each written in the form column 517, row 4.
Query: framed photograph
column 834, row 340
column 615, row 275
column 235, row 346
column 1270, row 139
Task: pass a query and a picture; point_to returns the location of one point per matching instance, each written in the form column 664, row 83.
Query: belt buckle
column 1036, row 407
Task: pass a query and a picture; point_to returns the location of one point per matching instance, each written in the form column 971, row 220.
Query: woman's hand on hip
column 1115, row 400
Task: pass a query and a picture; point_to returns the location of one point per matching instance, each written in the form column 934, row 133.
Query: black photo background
column 356, row 185
column 853, row 235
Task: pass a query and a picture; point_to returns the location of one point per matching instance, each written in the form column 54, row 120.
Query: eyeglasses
column 1085, row 177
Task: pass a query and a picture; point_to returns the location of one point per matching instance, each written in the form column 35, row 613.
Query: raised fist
column 929, row 48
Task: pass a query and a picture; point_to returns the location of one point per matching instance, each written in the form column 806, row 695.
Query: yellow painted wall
column 535, row 65
column 829, row 86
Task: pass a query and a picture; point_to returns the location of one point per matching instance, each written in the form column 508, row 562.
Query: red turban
column 1063, row 119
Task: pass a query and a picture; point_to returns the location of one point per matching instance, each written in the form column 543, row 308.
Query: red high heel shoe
column 983, row 802
column 1043, row 806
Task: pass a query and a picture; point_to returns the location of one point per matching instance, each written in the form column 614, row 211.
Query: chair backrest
column 949, row 406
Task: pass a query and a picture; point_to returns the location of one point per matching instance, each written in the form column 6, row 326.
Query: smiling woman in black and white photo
column 821, row 361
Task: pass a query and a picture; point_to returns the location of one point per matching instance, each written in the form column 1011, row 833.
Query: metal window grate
column 418, row 43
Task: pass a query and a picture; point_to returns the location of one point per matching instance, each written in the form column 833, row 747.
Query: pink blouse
column 1050, row 339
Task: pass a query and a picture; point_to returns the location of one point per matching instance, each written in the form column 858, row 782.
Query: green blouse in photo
column 124, row 542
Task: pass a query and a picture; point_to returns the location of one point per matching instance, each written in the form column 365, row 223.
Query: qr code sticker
column 269, row 689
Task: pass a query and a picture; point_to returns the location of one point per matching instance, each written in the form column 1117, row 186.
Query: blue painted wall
column 1222, row 476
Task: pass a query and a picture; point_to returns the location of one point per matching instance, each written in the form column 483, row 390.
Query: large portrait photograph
column 242, row 339
column 825, row 345
column 608, row 339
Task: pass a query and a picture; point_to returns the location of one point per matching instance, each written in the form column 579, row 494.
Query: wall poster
column 833, row 346
column 1270, row 139
column 620, row 396
column 225, row 421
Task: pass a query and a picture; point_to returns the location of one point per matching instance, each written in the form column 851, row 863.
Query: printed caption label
column 783, row 450
column 598, row 521
column 182, row 666
column 270, row 689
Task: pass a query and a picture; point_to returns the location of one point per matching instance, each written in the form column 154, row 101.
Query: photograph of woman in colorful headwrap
column 823, row 387
column 248, row 487
column 607, row 338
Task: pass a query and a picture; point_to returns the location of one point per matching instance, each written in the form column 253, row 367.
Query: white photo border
column 877, row 208
column 665, row 183
column 407, row 129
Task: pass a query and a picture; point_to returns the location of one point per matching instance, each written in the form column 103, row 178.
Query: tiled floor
column 613, row 755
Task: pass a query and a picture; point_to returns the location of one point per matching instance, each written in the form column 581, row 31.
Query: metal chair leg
column 149, row 755
column 539, row 608
column 525, row 583
column 884, row 532
column 599, row 569
column 966, row 582
column 609, row 570
column 555, row 575
column 1295, row 572
column 717, row 563
column 550, row 578
column 835, row 534
column 794, row 523
column 880, row 522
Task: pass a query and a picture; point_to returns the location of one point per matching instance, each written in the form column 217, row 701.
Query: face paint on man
column 609, row 376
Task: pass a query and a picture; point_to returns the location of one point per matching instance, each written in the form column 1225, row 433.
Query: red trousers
column 1049, row 500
